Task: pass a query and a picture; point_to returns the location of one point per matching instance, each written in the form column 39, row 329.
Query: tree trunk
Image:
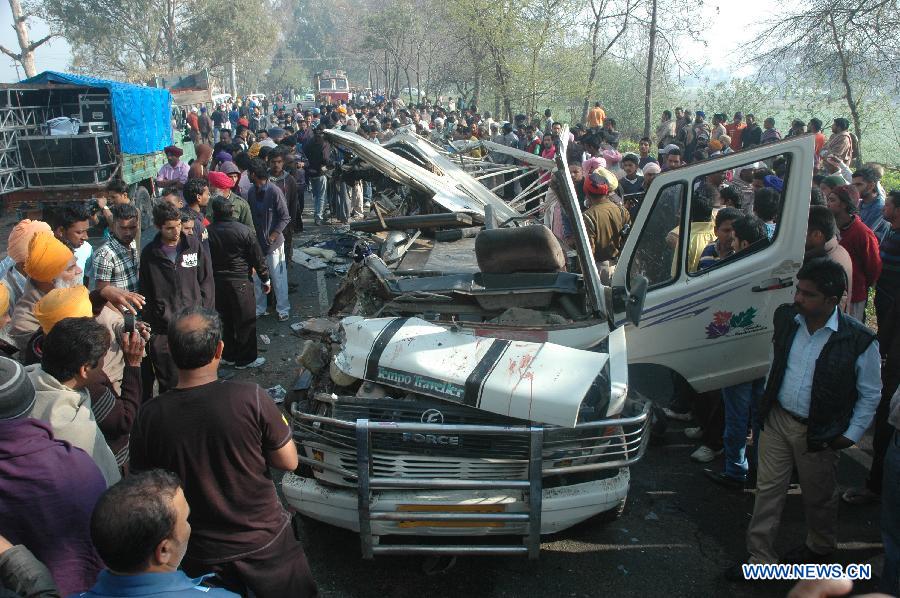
column 418, row 79
column 170, row 36
column 648, row 81
column 597, row 55
column 408, row 86
column 27, row 51
column 387, row 75
column 232, row 77
column 476, row 92
column 592, row 74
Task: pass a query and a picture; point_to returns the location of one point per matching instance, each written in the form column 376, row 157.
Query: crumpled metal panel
column 448, row 168
column 451, row 188
column 538, row 382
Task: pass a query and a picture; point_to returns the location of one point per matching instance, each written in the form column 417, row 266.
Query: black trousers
column 164, row 369
column 236, row 305
column 276, row 571
column 887, row 310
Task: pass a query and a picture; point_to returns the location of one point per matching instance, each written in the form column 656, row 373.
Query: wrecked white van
column 447, row 422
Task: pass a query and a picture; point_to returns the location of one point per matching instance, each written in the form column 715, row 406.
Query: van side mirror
column 634, row 299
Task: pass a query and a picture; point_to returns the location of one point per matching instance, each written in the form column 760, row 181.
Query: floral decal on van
column 726, row 323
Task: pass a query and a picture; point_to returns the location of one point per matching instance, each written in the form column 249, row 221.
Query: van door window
column 655, row 256
column 720, row 198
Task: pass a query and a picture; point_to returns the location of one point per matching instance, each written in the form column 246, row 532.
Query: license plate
column 451, row 509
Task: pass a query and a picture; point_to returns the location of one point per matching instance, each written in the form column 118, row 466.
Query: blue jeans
column 890, row 518
column 740, row 402
column 318, row 189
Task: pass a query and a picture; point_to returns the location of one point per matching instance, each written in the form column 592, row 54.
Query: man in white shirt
column 823, row 387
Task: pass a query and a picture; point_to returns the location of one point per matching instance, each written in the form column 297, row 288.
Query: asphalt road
column 677, row 534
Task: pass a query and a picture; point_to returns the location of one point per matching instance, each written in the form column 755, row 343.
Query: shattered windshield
column 655, row 255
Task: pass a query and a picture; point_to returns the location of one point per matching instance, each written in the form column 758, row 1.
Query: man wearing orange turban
column 4, row 305
column 116, row 392
column 48, row 258
column 50, row 264
column 12, row 268
column 59, row 304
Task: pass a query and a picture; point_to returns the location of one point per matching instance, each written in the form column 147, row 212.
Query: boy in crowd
column 644, row 151
column 723, row 246
column 631, row 185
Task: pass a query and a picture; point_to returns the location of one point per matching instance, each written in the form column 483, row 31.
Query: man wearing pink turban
column 592, row 164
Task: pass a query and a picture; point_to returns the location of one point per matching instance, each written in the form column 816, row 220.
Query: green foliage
column 891, row 179
column 138, row 39
column 732, row 96
column 509, row 56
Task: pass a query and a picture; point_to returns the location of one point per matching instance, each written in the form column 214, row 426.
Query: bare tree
column 26, row 47
column 665, row 37
column 602, row 13
column 836, row 45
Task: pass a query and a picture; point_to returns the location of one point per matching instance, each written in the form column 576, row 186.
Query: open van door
column 712, row 326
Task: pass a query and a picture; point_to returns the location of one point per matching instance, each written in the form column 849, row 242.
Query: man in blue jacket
column 140, row 529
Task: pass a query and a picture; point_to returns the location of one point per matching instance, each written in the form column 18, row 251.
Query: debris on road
column 277, row 393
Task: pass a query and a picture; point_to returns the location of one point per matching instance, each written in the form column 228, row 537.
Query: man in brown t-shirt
column 221, row 437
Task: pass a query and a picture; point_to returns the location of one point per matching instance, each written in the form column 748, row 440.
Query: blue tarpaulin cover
column 143, row 114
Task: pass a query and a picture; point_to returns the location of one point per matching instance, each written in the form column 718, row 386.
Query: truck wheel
column 144, row 203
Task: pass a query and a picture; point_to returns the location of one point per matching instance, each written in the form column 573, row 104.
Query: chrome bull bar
column 604, row 444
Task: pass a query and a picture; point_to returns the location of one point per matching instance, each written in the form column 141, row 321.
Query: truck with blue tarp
column 66, row 136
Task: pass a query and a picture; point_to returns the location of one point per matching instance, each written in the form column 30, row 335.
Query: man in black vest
column 823, row 387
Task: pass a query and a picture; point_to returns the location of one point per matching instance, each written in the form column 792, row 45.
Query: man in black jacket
column 174, row 274
column 317, row 151
column 235, row 251
column 821, row 393
column 752, row 133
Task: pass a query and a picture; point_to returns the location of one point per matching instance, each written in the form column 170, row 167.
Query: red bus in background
column 331, row 87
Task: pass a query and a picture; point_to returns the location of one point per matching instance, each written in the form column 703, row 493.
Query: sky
column 52, row 56
column 727, row 34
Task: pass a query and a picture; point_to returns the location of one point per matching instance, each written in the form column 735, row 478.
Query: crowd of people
column 127, row 466
column 107, row 348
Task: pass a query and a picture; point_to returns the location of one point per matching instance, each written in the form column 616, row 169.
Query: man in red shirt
column 815, row 126
column 860, row 242
column 193, row 122
column 735, row 130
